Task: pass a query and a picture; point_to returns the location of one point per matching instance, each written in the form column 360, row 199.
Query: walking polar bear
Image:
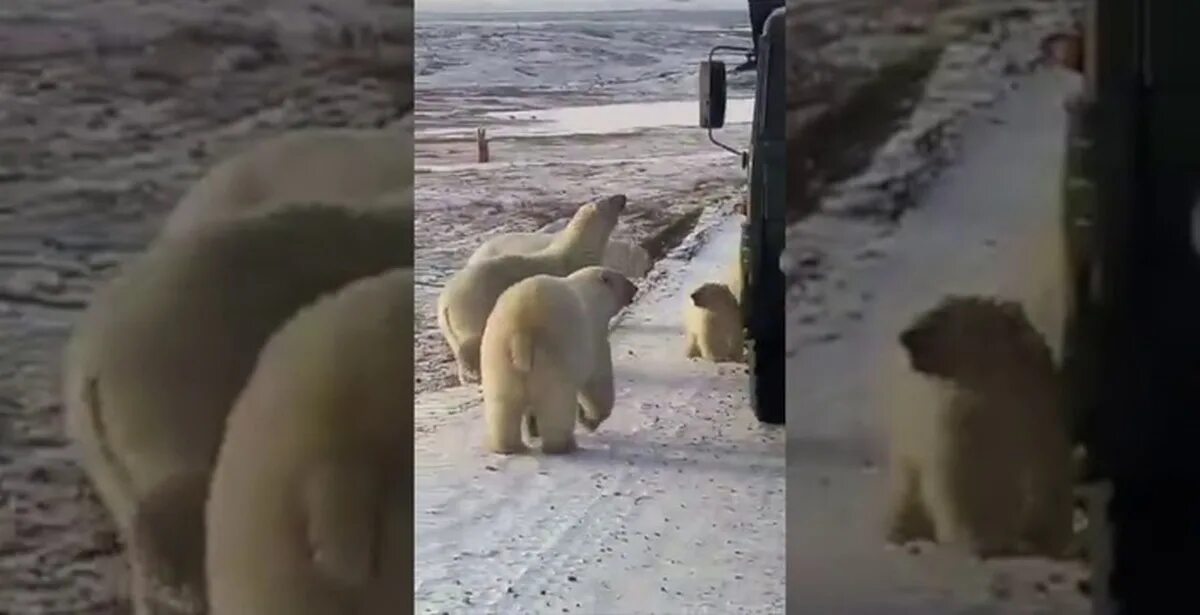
column 546, row 355
column 352, row 167
column 155, row 363
column 981, row 456
column 467, row 299
column 713, row 324
column 310, row 510
column 632, row 260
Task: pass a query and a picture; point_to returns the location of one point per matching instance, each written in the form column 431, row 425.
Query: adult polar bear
column 467, row 299
column 630, row 259
column 545, row 349
column 322, row 525
column 161, row 353
column 353, row 167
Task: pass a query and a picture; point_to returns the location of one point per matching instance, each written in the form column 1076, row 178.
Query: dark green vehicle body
column 763, row 232
column 1131, row 359
column 762, row 239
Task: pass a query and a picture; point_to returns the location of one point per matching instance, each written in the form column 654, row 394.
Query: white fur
column 159, row 356
column 628, row 258
column 310, row 511
column 544, row 350
column 713, row 324
column 352, row 167
column 985, row 466
column 468, row 297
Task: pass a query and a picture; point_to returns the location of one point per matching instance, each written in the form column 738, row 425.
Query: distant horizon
column 572, row 6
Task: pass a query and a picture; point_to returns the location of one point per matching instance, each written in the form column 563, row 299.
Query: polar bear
column 353, row 167
column 310, row 510
column 162, row 351
column 632, row 260
column 713, row 324
column 545, row 354
column 467, row 299
column 980, row 453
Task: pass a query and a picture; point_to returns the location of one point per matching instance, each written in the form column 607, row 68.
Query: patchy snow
column 675, row 504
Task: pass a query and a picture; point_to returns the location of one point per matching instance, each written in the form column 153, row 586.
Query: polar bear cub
column 310, row 511
column 161, row 353
column 545, row 354
column 713, row 324
column 467, row 299
column 632, row 260
column 342, row 166
column 981, row 455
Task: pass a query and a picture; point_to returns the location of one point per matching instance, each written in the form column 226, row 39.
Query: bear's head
column 588, row 231
column 605, row 287
column 976, row 340
column 714, row 296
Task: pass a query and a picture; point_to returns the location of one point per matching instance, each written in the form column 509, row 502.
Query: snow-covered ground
column 675, row 505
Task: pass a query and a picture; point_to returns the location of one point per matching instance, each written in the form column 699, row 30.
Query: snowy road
column 987, row 225
column 676, row 505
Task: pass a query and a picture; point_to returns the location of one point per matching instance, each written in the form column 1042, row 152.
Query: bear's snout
column 908, row 339
column 630, row 290
column 616, row 201
column 916, row 343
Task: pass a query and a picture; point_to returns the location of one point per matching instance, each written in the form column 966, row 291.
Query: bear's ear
column 1012, row 311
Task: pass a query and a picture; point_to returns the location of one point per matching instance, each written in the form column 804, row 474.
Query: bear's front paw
column 468, row 376
column 589, row 423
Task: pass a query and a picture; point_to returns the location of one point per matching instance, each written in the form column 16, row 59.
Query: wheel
column 767, row 382
column 763, row 302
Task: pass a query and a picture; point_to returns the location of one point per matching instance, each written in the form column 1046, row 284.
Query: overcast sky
column 572, row 5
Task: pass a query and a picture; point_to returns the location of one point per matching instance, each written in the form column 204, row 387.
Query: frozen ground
column 987, row 225
column 675, row 505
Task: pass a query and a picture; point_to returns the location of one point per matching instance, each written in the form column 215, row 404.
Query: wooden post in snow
column 481, row 142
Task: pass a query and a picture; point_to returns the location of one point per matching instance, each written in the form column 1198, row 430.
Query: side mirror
column 712, row 94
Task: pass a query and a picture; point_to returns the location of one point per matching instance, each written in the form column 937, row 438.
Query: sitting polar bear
column 353, row 167
column 545, row 350
column 632, row 260
column 713, row 324
column 161, row 353
column 981, row 456
column 311, row 505
column 467, row 299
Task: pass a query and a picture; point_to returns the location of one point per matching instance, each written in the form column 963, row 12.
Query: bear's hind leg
column 555, row 407
column 166, row 551
column 504, row 415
